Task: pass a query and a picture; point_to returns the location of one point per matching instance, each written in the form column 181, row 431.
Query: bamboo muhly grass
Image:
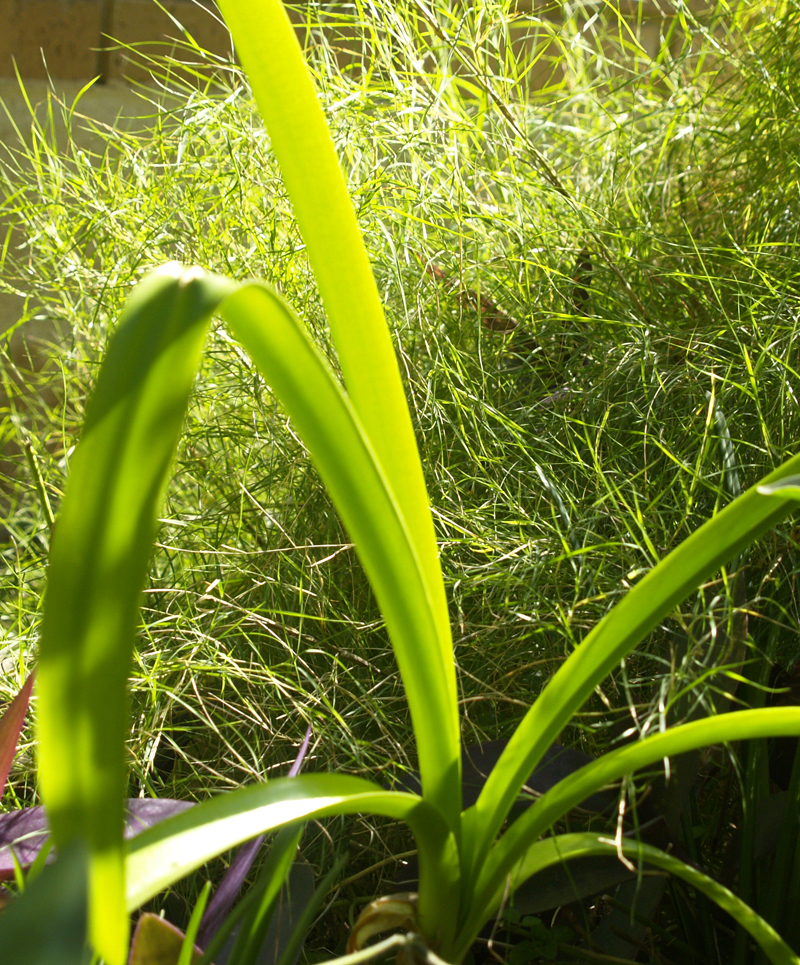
column 360, row 437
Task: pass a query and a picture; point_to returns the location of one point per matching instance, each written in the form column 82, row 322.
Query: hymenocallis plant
column 360, row 436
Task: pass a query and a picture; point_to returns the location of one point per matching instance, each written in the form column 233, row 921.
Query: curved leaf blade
column 343, row 454
column 640, row 611
column 98, row 560
column 564, row 847
column 172, row 849
column 543, row 813
column 299, row 136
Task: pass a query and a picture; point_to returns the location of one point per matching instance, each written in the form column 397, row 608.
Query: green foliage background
column 559, row 472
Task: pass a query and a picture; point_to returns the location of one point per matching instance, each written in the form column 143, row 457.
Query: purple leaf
column 26, row 830
column 294, row 770
column 144, row 812
column 231, row 884
column 10, row 728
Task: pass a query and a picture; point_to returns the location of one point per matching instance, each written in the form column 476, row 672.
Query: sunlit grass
column 258, row 617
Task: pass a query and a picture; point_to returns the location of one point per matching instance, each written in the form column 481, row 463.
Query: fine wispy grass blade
column 287, row 100
column 543, row 813
column 101, row 546
column 712, row 545
column 167, row 852
column 105, row 533
column 565, row 847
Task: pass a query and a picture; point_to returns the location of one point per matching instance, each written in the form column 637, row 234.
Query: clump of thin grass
column 564, row 455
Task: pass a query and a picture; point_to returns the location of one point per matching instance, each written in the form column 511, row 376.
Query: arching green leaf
column 172, row 849
column 104, row 536
column 640, row 611
column 565, row 847
column 543, row 814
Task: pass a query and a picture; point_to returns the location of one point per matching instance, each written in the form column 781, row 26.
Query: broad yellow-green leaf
column 173, row 848
column 98, row 560
column 299, row 136
column 347, row 463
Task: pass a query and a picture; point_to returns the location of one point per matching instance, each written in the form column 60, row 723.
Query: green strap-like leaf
column 269, row 51
column 565, row 847
column 46, row 925
column 172, row 849
column 324, row 419
column 104, row 536
column 100, row 549
column 542, row 814
column 640, row 611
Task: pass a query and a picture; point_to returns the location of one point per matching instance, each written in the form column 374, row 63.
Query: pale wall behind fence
column 65, row 38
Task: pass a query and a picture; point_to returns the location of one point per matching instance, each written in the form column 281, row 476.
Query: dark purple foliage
column 229, row 887
column 26, row 830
